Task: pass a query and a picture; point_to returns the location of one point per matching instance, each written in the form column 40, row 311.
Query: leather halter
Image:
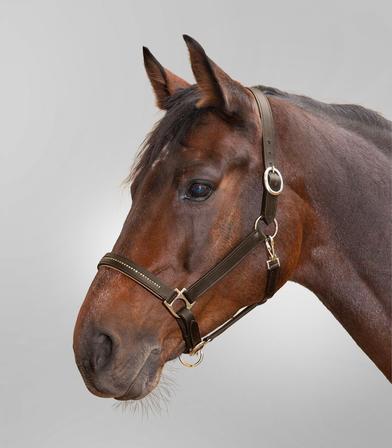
column 273, row 186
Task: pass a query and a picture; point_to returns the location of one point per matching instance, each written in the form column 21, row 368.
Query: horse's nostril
column 156, row 351
column 102, row 352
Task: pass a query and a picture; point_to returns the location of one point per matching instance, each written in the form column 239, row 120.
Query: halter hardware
column 272, row 169
column 273, row 186
column 273, row 260
column 200, row 356
column 260, row 219
column 180, row 296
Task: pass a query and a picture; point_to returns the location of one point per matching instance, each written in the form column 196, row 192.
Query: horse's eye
column 199, row 191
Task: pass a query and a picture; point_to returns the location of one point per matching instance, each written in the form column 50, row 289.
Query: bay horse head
column 196, row 191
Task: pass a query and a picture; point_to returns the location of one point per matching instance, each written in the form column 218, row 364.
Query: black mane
column 182, row 114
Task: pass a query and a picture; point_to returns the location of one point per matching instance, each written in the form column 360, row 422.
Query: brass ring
column 200, row 356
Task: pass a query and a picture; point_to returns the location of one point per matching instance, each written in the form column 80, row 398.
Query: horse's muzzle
column 117, row 369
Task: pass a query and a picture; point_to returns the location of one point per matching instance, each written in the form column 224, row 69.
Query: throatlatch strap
column 269, row 201
column 243, row 312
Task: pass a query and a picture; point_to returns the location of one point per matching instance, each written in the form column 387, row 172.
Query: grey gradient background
column 74, row 106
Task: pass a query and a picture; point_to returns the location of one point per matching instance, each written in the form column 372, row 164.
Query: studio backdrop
column 75, row 106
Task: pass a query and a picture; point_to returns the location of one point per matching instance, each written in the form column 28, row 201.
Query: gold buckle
column 180, row 296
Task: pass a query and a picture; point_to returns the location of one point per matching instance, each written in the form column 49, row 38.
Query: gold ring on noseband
column 199, row 355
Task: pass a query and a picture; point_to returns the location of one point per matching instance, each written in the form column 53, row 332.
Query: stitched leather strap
column 186, row 320
column 165, row 293
column 228, row 263
column 140, row 275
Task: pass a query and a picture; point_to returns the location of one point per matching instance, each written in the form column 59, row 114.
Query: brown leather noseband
column 273, row 186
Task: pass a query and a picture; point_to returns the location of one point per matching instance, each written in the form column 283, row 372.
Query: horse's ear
column 217, row 88
column 163, row 81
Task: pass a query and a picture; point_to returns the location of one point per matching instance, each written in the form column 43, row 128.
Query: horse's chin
column 141, row 386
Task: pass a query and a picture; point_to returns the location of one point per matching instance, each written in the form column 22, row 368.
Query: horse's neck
column 346, row 256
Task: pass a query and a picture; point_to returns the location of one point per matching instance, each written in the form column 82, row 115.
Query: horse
column 196, row 188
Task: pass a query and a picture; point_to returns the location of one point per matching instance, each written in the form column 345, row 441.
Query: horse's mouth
column 144, row 383
column 120, row 384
